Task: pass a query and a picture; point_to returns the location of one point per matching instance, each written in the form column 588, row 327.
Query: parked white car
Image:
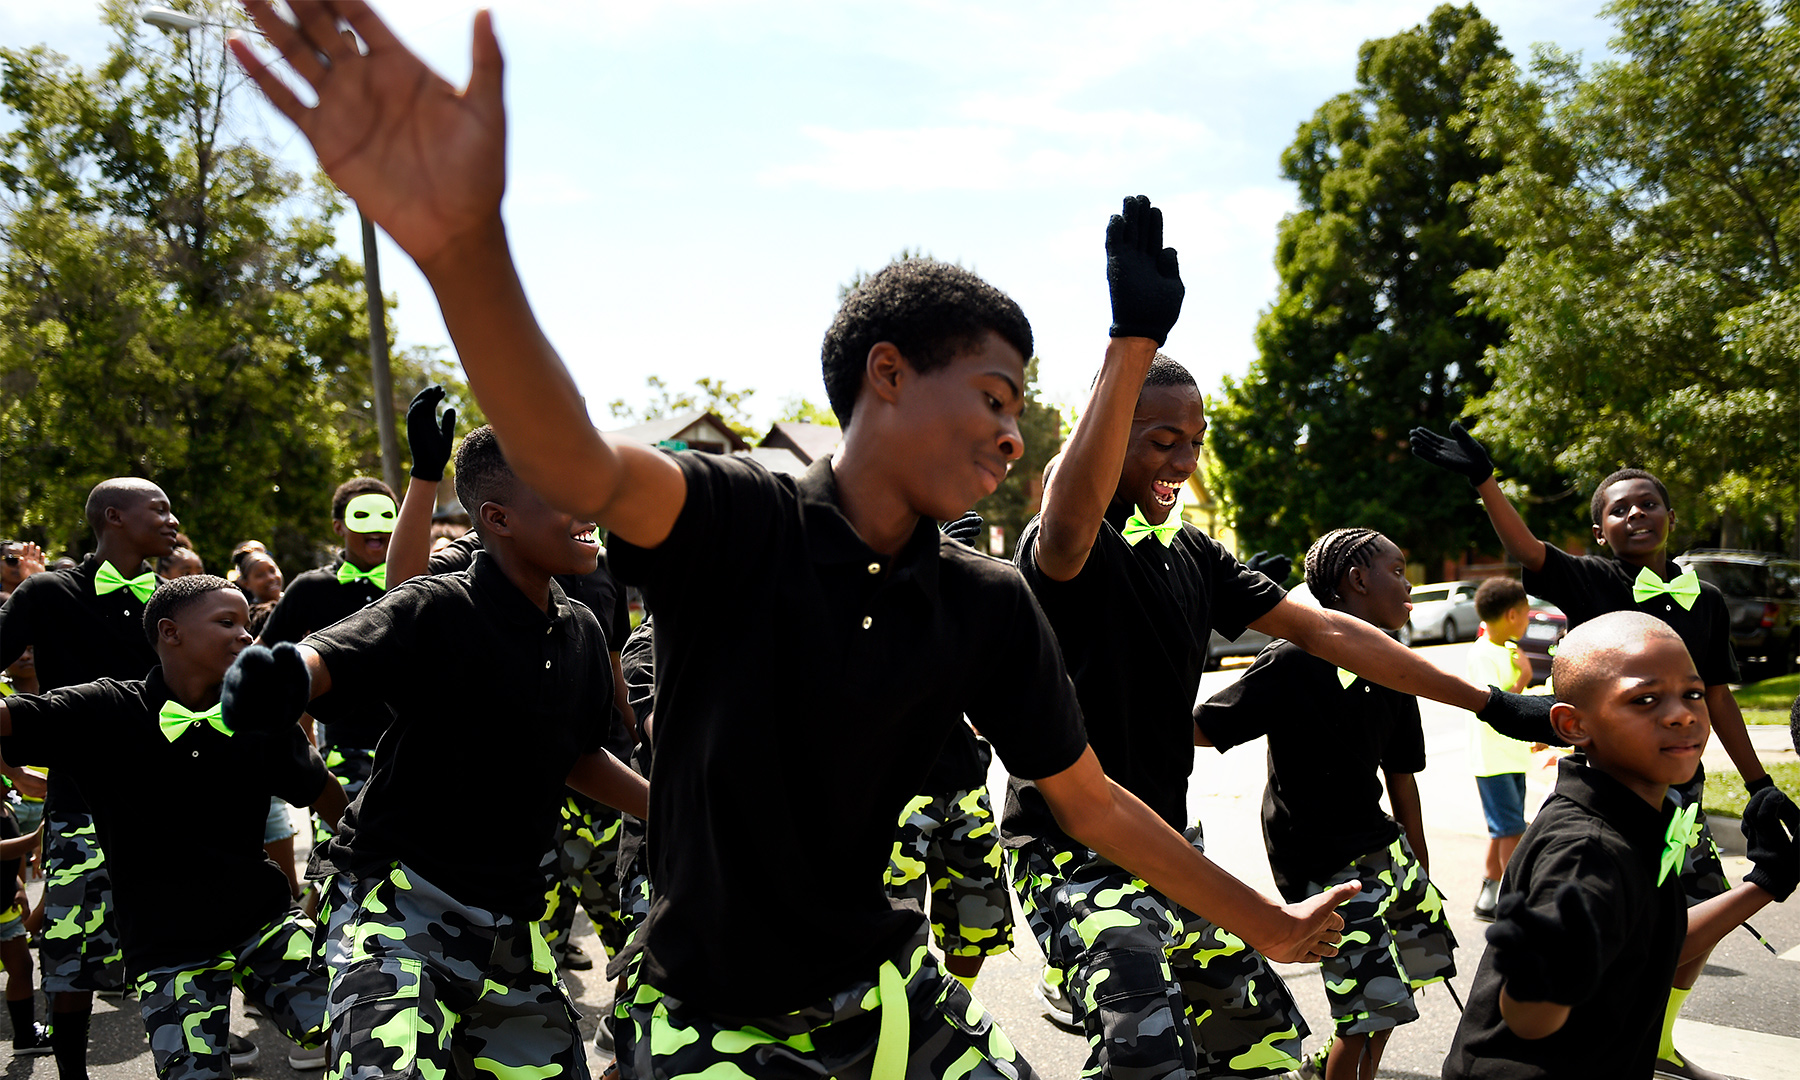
column 1444, row 611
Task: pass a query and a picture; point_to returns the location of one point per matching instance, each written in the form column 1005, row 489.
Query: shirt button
column 547, row 630
column 196, row 723
column 194, row 753
column 546, row 665
column 867, row 622
column 874, row 568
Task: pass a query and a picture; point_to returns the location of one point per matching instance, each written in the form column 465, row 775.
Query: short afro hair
column 929, row 310
column 351, row 488
column 1164, row 371
column 120, row 492
column 1587, row 655
column 173, row 597
column 482, row 474
column 1332, row 556
column 1496, row 596
column 1597, row 506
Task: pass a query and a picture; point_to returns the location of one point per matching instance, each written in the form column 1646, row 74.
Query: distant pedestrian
column 1500, row 763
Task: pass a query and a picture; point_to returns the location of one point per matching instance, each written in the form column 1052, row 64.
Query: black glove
column 967, row 528
column 427, row 438
column 266, row 690
column 1460, row 453
column 1547, row 956
column 1772, row 837
column 1141, row 274
column 1525, row 717
column 1275, row 567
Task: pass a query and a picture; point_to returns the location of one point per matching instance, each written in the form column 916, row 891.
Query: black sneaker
column 603, row 1038
column 1682, row 1069
column 35, row 1043
column 1487, row 901
column 575, row 958
column 243, row 1052
column 1056, row 1005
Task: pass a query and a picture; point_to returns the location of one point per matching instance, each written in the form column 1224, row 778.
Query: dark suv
column 1762, row 592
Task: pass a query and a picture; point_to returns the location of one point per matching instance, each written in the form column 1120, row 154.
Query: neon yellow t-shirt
column 1491, row 753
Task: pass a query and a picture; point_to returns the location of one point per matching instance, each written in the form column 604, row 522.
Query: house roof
column 682, row 424
column 777, row 459
column 809, row 442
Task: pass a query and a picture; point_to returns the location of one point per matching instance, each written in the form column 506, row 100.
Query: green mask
column 370, row 512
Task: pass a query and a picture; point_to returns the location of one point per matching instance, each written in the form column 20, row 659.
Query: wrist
column 1756, row 785
column 1776, row 885
column 468, row 253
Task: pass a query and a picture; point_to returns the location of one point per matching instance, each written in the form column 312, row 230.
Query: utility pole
column 381, row 377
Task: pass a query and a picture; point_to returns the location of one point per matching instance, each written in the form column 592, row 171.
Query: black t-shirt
column 1588, row 586
column 1327, row 744
column 961, row 765
column 1134, row 626
column 1594, row 832
column 188, row 885
column 314, row 601
column 79, row 636
column 804, row 685
column 549, row 701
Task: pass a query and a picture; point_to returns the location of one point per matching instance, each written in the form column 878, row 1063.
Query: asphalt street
column 1743, row 1019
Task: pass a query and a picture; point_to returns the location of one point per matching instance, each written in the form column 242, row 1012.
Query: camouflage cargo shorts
column 583, row 871
column 187, row 1008
column 1162, row 993
column 1396, row 940
column 351, row 765
column 1702, row 868
column 946, row 1032
column 425, row 987
column 948, row 845
column 80, row 952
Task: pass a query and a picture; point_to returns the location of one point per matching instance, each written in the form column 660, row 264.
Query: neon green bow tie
column 109, row 580
column 1684, row 833
column 1685, row 588
column 348, row 574
column 174, row 718
column 1346, row 677
column 1137, row 527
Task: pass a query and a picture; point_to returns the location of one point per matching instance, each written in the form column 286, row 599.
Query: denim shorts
column 280, row 825
column 1503, row 801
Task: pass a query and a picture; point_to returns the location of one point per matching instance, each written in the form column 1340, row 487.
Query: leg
column 187, row 1014
column 276, row 970
column 521, row 1021
column 30, row 1038
column 80, row 952
column 1702, row 877
column 278, row 842
column 971, row 907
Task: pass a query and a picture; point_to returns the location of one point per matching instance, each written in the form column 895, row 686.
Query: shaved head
column 1591, row 652
column 118, row 493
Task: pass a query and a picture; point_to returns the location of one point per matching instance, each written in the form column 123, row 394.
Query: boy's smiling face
column 552, row 541
column 1167, row 429
column 205, row 636
column 148, row 522
column 1634, row 520
column 1642, row 716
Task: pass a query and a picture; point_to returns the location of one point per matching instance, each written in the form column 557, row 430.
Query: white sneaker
column 1057, row 1009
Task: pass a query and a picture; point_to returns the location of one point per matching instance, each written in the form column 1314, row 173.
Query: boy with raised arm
column 895, row 628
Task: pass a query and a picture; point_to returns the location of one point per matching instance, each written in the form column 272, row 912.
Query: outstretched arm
column 426, row 161
column 1461, row 454
column 1358, row 646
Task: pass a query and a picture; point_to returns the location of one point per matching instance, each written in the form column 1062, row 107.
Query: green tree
column 806, row 411
column 1366, row 339
column 170, row 303
column 708, row 393
column 1650, row 210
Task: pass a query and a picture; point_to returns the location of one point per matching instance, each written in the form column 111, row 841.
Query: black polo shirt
column 804, row 686
column 1328, row 745
column 79, row 637
column 188, row 885
column 1588, row 586
column 1595, row 832
column 1134, row 626
column 313, row 601
column 546, row 699
column 961, row 765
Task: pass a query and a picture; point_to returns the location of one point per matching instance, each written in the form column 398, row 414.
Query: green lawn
column 1769, row 701
column 1725, row 792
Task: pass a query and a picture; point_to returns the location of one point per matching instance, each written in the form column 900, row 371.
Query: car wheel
column 1451, row 636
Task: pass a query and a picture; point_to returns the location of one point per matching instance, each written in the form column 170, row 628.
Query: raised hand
column 1460, row 453
column 1141, row 274
column 1274, row 567
column 1547, row 955
column 421, row 158
column 1772, row 839
column 966, row 528
column 266, row 689
column 427, row 438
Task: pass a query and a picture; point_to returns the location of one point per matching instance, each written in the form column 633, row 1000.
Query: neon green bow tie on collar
column 1346, row 677
column 1684, row 588
column 1684, row 833
column 109, row 580
column 1137, row 527
column 348, row 573
column 174, row 719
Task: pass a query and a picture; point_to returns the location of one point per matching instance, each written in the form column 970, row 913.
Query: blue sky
column 691, row 180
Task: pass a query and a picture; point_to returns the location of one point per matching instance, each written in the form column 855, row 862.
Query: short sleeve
column 1585, row 861
column 458, row 554
column 368, row 650
column 1404, row 750
column 1271, row 688
column 1491, row 665
column 1565, row 581
column 1240, row 595
column 724, row 525
column 1031, row 718
column 285, row 621
column 58, row 728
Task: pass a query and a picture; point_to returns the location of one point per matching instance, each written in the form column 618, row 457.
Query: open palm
column 421, row 158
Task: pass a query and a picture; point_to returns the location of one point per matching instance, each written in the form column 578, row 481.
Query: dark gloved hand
column 427, row 438
column 1460, row 453
column 266, row 689
column 1520, row 716
column 1547, row 956
column 1772, row 835
column 1141, row 274
column 967, row 528
column 1274, row 567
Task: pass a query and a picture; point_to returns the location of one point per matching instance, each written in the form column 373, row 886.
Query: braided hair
column 1332, row 556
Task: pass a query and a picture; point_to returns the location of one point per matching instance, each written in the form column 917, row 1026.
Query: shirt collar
column 1641, row 824
column 508, row 602
column 831, row 539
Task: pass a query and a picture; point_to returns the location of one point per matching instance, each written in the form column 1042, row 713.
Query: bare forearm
column 331, row 801
column 409, row 548
column 1357, row 646
column 316, row 669
column 1403, row 796
column 1532, row 1019
column 1082, row 486
column 603, row 777
column 1710, row 920
column 1514, row 534
column 1728, row 726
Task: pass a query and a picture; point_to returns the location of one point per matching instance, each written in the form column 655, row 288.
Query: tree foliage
column 1650, row 213
column 170, row 304
column 1366, row 337
column 708, row 393
column 797, row 407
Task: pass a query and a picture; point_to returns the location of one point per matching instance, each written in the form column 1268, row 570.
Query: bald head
column 1591, row 653
column 119, row 493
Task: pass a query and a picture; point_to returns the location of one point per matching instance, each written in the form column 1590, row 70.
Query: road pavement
column 1742, row 1019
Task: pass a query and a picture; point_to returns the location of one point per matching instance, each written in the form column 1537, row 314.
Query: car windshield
column 1734, row 578
column 1424, row 596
